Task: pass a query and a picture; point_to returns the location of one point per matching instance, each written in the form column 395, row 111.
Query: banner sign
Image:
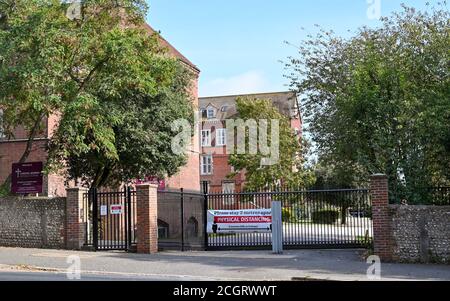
column 240, row 221
column 27, row 178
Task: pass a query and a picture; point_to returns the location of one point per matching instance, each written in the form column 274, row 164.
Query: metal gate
column 110, row 219
column 311, row 219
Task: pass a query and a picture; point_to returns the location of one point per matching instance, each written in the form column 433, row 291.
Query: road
column 7, row 275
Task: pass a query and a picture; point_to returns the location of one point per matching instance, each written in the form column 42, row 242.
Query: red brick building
column 12, row 149
column 214, row 167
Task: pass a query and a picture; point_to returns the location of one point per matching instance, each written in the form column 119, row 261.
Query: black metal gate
column 110, row 219
column 311, row 219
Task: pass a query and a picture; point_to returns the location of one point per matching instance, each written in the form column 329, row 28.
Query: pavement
column 339, row 265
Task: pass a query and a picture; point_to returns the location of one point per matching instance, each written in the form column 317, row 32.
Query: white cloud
column 246, row 83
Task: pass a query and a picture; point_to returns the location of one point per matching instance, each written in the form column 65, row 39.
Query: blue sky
column 238, row 44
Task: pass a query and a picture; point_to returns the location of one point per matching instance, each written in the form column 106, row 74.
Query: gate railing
column 110, row 219
column 313, row 219
column 181, row 216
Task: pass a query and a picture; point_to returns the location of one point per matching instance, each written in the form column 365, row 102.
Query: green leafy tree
column 114, row 88
column 380, row 100
column 289, row 169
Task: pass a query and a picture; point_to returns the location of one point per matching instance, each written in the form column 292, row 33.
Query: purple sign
column 27, row 178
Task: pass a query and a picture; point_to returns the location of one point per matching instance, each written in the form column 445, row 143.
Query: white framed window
column 211, row 113
column 206, row 137
column 203, row 113
column 206, row 167
column 228, row 187
column 221, row 137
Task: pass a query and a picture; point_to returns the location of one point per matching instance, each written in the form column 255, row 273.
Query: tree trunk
column 344, row 214
column 101, row 177
column 32, row 135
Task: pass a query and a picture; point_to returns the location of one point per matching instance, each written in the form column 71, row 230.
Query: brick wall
column 147, row 218
column 189, row 175
column 380, row 212
column 420, row 233
column 11, row 152
column 32, row 223
column 75, row 223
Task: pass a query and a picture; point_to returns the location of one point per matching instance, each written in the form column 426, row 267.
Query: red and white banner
column 233, row 221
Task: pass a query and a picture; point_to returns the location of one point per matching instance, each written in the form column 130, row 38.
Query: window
column 206, row 137
column 203, row 112
column 206, row 165
column 228, row 187
column 221, row 137
column 211, row 113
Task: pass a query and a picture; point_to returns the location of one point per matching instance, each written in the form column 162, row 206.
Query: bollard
column 277, row 228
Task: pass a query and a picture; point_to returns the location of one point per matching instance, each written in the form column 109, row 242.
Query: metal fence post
column 277, row 228
column 94, row 218
column 129, row 217
column 182, row 218
column 205, row 215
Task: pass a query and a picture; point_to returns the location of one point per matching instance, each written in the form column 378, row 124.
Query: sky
column 238, row 44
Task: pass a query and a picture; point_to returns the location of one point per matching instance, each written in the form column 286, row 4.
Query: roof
column 172, row 49
column 286, row 102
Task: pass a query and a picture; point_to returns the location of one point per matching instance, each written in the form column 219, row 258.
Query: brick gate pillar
column 75, row 223
column 147, row 218
column 379, row 192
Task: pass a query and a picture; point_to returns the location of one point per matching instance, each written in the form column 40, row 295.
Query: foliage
column 290, row 167
column 325, row 216
column 379, row 102
column 287, row 215
column 113, row 87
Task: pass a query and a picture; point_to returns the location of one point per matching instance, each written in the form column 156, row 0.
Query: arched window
column 163, row 229
column 192, row 227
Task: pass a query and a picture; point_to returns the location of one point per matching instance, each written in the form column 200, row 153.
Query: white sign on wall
column 239, row 221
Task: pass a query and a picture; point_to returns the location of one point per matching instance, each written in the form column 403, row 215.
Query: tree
column 31, row 75
column 114, row 88
column 289, row 169
column 380, row 100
